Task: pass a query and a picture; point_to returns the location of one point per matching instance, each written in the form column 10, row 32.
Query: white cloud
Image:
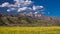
column 35, row 12
column 41, row 7
column 27, row 3
column 37, row 8
column 12, row 5
column 34, row 7
column 13, row 8
column 5, row 4
column 22, row 9
column 25, row 9
column 17, row 1
column 8, row 10
column 22, row 5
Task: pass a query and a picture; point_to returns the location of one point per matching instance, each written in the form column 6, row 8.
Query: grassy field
column 30, row 30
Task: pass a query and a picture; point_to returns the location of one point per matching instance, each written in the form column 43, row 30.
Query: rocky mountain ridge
column 28, row 20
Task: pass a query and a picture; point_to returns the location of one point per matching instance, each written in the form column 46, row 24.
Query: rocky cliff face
column 28, row 20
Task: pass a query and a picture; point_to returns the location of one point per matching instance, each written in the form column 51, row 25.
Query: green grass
column 30, row 30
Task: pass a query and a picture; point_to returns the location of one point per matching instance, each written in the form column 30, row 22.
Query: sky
column 51, row 6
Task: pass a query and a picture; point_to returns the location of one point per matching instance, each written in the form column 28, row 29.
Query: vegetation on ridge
column 28, row 20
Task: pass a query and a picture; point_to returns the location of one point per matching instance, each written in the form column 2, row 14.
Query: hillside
column 28, row 20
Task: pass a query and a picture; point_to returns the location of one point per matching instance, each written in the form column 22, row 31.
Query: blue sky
column 52, row 6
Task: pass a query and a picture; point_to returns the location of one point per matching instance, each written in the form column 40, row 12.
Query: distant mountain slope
column 28, row 20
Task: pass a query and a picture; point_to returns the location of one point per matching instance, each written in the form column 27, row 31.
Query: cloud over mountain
column 22, row 5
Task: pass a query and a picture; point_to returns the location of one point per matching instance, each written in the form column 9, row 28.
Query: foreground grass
column 30, row 30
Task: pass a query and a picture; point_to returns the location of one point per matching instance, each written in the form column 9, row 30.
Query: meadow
column 30, row 30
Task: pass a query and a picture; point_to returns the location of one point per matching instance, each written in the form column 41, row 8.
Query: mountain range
column 28, row 20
